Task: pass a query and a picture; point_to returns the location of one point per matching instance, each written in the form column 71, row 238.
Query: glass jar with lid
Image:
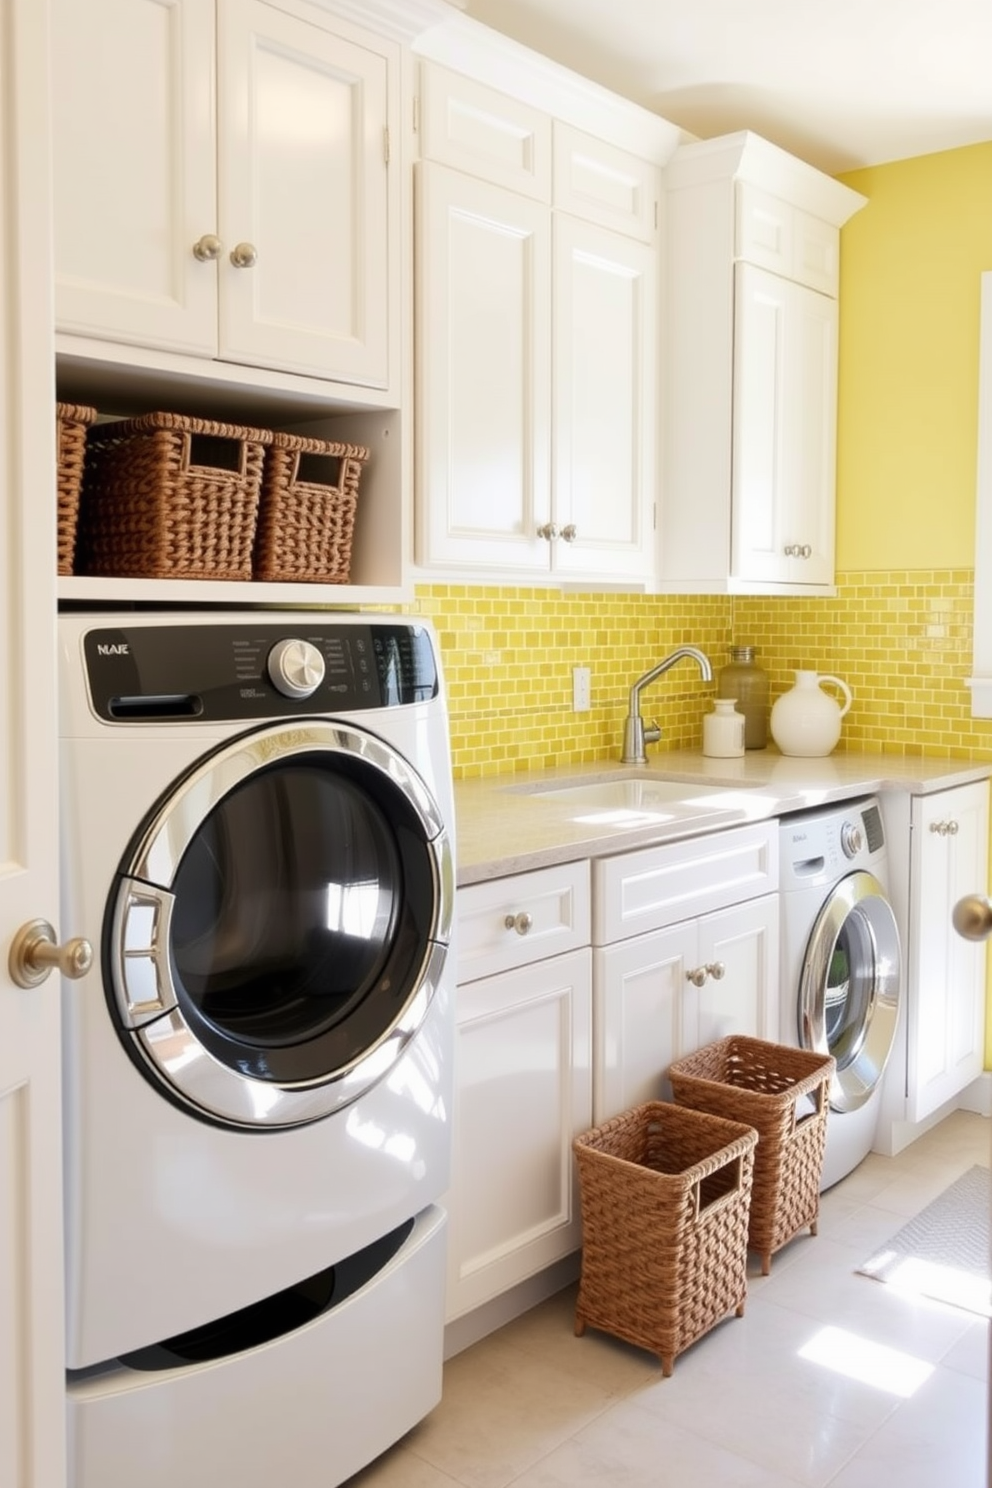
column 744, row 680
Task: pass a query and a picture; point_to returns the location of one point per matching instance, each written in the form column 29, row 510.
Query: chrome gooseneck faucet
column 635, row 734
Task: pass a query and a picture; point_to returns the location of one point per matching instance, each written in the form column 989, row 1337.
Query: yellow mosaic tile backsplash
column 901, row 641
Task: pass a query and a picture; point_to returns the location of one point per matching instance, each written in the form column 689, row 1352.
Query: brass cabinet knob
column 207, row 248
column 244, row 255
column 34, row 952
column 520, row 922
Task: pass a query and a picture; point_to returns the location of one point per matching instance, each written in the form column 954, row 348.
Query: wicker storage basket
column 170, row 497
column 665, row 1193
column 71, row 422
column 307, row 515
column 761, row 1083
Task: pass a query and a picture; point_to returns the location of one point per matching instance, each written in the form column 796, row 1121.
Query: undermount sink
column 639, row 797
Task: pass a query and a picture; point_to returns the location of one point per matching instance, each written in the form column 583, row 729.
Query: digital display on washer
column 222, row 673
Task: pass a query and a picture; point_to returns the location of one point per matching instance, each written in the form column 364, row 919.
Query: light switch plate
column 581, row 689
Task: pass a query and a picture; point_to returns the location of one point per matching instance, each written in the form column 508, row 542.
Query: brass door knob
column 972, row 917
column 34, row 952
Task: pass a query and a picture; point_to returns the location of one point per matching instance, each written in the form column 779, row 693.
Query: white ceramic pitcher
column 806, row 720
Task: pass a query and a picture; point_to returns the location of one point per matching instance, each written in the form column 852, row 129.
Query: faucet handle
column 652, row 733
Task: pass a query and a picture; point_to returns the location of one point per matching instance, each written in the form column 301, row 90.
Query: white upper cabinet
column 222, row 183
column 750, row 403
column 537, row 336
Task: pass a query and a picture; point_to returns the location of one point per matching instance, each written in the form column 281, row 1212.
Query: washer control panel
column 226, row 673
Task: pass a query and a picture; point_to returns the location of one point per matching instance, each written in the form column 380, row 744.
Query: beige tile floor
column 536, row 1407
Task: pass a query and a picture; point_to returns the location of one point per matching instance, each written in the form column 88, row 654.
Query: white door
column 32, row 1447
column 605, row 417
column 303, row 174
column 483, row 375
column 135, row 171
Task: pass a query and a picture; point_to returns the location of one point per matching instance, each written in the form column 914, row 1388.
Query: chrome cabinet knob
column 570, row 532
column 972, row 917
column 548, row 531
column 945, row 828
column 207, row 248
column 34, row 952
column 521, row 922
column 244, row 255
column 717, row 970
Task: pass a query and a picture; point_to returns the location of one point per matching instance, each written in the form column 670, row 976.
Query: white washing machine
column 841, row 964
column 257, row 840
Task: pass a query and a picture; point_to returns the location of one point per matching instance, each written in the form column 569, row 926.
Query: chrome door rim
column 144, row 995
column 859, row 893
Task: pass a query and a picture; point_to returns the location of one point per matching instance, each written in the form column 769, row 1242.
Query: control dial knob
column 852, row 839
column 295, row 668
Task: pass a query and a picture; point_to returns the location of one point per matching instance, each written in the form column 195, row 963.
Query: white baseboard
column 978, row 1096
column 462, row 1332
column 893, row 1137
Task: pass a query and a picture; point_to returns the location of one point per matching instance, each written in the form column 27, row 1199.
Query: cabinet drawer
column 484, row 133
column 512, row 921
column 640, row 891
column 786, row 241
column 601, row 183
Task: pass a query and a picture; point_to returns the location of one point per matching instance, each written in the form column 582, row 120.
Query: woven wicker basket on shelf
column 767, row 1085
column 306, row 519
column 665, row 1193
column 171, row 497
column 71, row 423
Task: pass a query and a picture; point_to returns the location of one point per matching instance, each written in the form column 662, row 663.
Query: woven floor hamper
column 665, row 1193
column 171, row 497
column 762, row 1083
column 306, row 519
column 71, row 423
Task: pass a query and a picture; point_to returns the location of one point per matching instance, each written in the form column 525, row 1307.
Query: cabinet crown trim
column 746, row 156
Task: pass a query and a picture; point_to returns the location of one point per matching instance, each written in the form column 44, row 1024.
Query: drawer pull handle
column 520, row 922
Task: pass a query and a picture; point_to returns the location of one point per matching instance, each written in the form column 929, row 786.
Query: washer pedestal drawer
column 309, row 1408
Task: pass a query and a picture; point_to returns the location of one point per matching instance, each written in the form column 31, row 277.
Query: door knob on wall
column 34, row 952
column 972, row 917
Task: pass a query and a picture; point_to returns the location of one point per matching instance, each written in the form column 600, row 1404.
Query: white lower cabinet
column 523, row 1079
column 686, row 951
column 664, row 994
column 577, row 987
column 946, row 987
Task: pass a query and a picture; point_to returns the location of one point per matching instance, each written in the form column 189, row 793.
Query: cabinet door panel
column 946, row 1028
column 134, row 171
column 743, row 941
column 522, row 1092
column 302, row 119
column 484, row 378
column 785, row 390
column 605, row 335
column 639, row 989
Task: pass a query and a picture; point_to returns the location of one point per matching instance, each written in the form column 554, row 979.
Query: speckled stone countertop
column 510, row 824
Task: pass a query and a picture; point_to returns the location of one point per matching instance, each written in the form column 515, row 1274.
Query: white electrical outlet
column 581, row 689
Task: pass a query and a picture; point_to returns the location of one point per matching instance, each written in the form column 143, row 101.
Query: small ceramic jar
column 723, row 730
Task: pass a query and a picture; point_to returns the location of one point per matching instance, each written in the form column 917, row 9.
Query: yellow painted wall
column 908, row 413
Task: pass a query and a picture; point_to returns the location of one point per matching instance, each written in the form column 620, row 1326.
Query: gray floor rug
column 944, row 1252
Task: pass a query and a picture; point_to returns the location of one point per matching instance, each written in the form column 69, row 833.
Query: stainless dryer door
column 849, row 987
column 280, row 925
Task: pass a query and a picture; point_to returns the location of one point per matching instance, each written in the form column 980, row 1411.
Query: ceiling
column 840, row 83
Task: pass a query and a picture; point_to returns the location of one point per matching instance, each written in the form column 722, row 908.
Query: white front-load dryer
column 841, row 964
column 257, row 832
